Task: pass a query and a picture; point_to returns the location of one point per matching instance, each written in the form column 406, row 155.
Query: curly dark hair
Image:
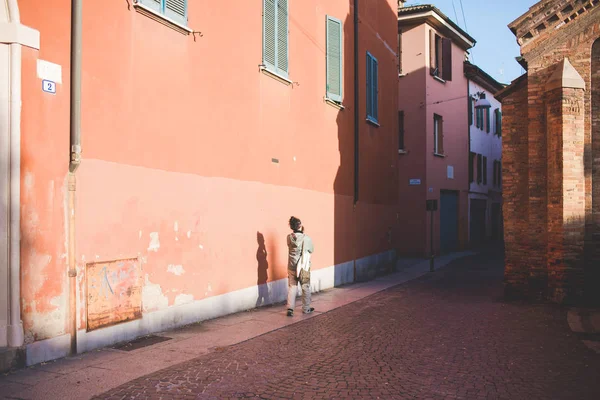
column 295, row 223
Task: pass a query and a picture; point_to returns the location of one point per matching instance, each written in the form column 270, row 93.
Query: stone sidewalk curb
column 95, row 372
column 586, row 323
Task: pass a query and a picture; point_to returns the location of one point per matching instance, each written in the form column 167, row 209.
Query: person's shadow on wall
column 262, row 271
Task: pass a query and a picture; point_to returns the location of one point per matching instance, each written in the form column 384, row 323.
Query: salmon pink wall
column 44, row 167
column 191, row 154
column 412, row 164
column 420, row 97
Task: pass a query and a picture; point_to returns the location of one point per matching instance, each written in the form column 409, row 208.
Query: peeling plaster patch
column 154, row 242
column 183, row 299
column 200, row 247
column 189, row 234
column 208, row 290
column 176, row 226
column 176, row 269
column 49, row 324
column 97, row 257
column 28, row 181
column 140, row 234
column 152, row 297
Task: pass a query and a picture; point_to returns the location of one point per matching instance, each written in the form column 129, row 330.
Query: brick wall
column 551, row 169
column 515, row 189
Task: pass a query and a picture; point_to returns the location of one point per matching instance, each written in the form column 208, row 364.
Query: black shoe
column 290, row 312
column 310, row 310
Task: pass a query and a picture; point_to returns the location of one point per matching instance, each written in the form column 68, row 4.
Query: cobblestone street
column 448, row 335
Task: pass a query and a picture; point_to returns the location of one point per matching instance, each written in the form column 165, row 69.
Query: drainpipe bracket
column 72, row 273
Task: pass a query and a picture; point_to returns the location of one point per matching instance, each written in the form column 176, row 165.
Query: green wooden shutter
column 176, row 10
column 334, row 59
column 282, row 37
column 372, row 88
column 269, row 35
column 155, row 5
column 470, row 111
column 499, row 123
column 487, row 120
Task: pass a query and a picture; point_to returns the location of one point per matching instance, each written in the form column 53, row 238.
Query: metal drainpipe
column 15, row 331
column 356, row 122
column 356, row 102
column 75, row 159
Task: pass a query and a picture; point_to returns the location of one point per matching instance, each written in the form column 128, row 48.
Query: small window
column 175, row 10
column 479, row 118
column 334, row 59
column 400, row 130
column 440, row 56
column 372, row 89
column 438, row 134
column 275, row 36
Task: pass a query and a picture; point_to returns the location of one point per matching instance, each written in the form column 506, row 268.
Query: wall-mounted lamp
column 481, row 101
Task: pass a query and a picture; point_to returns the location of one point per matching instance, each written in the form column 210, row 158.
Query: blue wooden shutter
column 155, row 5
column 282, row 37
column 334, row 59
column 269, row 34
column 375, row 86
column 176, row 10
column 369, row 91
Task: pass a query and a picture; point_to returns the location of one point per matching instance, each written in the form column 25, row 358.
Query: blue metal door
column 448, row 221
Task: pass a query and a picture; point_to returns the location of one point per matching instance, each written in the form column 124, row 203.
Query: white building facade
column 485, row 157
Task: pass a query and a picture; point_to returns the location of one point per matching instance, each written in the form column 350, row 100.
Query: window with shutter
column 487, row 120
column 470, row 111
column 440, row 56
column 275, row 36
column 438, row 134
column 175, row 10
column 372, row 88
column 334, row 59
column 498, row 118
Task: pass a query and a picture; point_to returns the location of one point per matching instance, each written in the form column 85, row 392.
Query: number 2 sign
column 49, row 86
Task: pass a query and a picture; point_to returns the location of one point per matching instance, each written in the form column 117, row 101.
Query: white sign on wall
column 450, row 172
column 49, row 71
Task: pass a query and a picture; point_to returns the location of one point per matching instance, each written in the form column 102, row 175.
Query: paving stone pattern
column 445, row 336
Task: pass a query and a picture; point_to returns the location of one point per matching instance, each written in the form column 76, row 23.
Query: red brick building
column 551, row 155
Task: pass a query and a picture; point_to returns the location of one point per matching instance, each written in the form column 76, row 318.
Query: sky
column 486, row 21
